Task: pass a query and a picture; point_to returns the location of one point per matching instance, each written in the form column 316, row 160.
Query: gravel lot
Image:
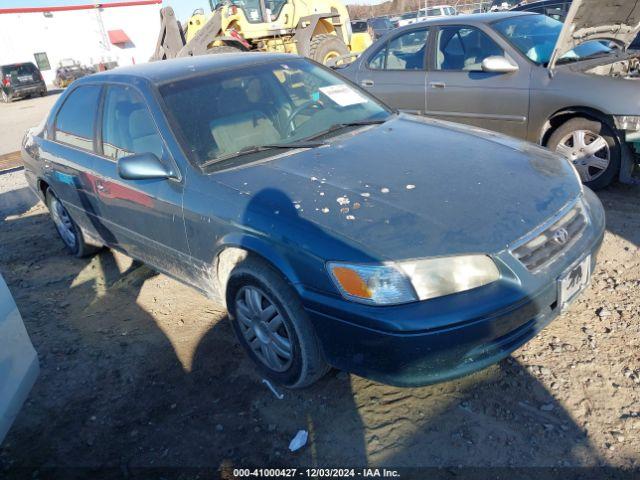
column 139, row 370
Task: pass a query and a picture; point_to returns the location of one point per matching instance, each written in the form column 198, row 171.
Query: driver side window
column 462, row 48
column 404, row 52
column 127, row 126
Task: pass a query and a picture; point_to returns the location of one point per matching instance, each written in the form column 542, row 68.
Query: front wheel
column 324, row 48
column 273, row 327
column 592, row 147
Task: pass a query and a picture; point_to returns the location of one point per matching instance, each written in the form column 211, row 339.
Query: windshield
column 536, row 36
column 221, row 114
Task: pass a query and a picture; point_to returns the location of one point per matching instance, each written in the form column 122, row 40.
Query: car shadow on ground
column 625, row 201
column 130, row 382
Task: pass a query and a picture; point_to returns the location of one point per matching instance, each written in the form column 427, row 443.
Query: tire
column 223, row 49
column 597, row 168
column 306, row 364
column 326, row 47
column 67, row 229
column 43, row 93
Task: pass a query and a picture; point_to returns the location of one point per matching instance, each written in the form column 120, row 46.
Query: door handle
column 367, row 83
column 437, row 85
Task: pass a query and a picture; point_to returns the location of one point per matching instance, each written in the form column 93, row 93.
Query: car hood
column 597, row 20
column 411, row 188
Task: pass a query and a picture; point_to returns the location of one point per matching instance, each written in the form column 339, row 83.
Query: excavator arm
column 172, row 42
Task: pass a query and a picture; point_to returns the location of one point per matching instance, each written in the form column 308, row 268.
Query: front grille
column 553, row 240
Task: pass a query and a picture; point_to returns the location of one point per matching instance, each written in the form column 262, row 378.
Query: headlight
column 629, row 123
column 412, row 280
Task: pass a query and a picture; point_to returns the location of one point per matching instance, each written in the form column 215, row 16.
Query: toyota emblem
column 561, row 236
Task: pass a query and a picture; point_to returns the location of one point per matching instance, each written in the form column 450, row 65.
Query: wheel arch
column 565, row 114
column 237, row 248
column 42, row 187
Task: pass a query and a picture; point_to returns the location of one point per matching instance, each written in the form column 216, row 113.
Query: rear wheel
column 272, row 325
column 69, row 232
column 324, row 48
column 592, row 147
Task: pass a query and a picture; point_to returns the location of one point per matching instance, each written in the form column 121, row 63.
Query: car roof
column 468, row 19
column 539, row 3
column 17, row 64
column 167, row 70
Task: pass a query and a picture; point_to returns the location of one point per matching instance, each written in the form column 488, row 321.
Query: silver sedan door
column 460, row 90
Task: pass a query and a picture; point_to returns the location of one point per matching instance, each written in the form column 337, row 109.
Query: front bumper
column 449, row 337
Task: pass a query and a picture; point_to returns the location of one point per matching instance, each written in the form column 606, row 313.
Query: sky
column 183, row 8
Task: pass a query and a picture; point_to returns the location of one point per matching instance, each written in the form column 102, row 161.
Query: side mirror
column 143, row 166
column 498, row 64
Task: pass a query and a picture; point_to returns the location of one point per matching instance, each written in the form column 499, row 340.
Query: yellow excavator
column 318, row 29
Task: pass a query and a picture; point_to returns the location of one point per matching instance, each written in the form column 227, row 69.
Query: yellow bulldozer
column 318, row 29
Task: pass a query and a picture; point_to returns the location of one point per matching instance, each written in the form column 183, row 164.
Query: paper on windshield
column 343, row 95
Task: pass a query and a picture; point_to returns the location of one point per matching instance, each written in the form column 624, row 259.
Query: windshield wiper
column 261, row 148
column 340, row 126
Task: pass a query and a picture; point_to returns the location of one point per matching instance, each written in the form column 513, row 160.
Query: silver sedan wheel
column 263, row 328
column 63, row 223
column 588, row 151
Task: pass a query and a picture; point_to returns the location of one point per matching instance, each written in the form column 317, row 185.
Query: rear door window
column 404, row 52
column 76, row 119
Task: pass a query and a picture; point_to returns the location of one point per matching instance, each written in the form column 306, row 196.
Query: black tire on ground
column 43, row 93
column 307, row 364
column 79, row 248
column 601, row 178
column 224, row 49
column 325, row 47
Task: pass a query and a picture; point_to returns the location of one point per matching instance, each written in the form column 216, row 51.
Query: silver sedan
column 571, row 87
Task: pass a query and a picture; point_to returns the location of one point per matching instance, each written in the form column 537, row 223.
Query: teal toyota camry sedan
column 337, row 232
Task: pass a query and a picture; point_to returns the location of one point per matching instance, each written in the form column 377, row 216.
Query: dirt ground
column 141, row 371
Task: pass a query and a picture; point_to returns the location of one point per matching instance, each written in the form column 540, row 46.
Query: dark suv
column 21, row 80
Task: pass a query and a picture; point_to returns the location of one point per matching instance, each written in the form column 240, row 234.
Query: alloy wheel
column 63, row 223
column 588, row 151
column 264, row 328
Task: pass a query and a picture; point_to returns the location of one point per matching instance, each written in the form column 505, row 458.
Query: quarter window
column 127, row 126
column 405, row 52
column 464, row 48
column 75, row 122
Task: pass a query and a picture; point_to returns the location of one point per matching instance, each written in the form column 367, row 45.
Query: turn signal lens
column 351, row 282
column 374, row 284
